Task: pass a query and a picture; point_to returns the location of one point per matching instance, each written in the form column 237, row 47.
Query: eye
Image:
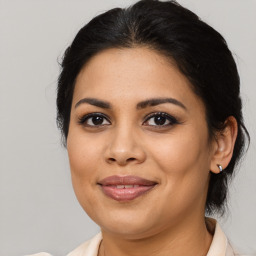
column 94, row 120
column 160, row 119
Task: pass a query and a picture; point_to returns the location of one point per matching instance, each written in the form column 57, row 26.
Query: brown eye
column 95, row 119
column 160, row 119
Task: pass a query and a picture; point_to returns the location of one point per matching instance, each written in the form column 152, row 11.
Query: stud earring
column 220, row 167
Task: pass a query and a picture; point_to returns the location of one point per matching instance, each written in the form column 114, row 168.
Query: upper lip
column 126, row 180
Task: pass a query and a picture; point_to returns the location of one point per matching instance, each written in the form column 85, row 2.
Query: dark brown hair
column 198, row 50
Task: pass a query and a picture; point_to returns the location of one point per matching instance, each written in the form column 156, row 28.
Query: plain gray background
column 38, row 209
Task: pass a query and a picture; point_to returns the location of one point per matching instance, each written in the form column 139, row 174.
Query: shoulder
column 231, row 251
column 220, row 244
column 88, row 248
column 40, row 254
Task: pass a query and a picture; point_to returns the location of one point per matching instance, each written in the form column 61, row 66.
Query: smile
column 125, row 188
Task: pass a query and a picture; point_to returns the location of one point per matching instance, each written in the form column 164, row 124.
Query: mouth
column 125, row 188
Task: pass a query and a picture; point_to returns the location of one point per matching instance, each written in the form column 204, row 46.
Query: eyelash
column 82, row 120
column 172, row 120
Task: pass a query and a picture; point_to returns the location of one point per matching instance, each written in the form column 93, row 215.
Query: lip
column 114, row 187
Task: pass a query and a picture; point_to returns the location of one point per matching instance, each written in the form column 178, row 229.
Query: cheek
column 184, row 162
column 83, row 154
column 181, row 153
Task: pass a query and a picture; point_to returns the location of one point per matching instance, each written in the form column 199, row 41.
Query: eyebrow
column 94, row 102
column 158, row 101
column 143, row 104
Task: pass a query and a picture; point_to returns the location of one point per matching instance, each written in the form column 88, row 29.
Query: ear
column 224, row 145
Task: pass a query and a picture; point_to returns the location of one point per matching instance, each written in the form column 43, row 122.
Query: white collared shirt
column 219, row 246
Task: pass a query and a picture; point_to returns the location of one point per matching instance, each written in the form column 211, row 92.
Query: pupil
column 97, row 120
column 160, row 120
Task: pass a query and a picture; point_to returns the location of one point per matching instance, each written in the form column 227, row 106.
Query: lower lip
column 125, row 194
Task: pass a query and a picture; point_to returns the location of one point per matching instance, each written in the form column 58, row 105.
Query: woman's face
column 138, row 144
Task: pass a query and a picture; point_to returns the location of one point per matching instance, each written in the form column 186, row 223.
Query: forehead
column 132, row 74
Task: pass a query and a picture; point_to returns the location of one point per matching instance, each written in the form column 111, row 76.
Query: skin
column 178, row 156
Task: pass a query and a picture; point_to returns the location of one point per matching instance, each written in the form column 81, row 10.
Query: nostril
column 111, row 159
column 131, row 159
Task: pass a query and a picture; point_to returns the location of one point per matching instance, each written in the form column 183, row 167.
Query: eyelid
column 171, row 118
column 84, row 118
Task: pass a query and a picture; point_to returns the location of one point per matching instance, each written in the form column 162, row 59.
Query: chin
column 130, row 225
column 126, row 230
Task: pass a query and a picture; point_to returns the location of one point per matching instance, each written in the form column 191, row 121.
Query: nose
column 124, row 148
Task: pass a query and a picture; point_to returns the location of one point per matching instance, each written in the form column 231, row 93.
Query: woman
column 150, row 111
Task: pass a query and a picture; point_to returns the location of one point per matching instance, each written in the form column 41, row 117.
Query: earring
column 220, row 167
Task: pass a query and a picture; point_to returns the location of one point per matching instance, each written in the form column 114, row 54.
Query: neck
column 186, row 238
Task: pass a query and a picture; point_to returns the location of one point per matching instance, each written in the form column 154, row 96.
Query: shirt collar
column 219, row 242
column 219, row 245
